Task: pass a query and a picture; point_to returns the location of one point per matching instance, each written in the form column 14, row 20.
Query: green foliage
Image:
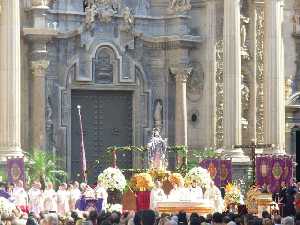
column 205, row 154
column 43, row 166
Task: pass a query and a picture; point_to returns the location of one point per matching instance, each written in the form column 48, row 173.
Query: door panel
column 107, row 121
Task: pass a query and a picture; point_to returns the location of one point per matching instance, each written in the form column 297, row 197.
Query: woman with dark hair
column 182, row 219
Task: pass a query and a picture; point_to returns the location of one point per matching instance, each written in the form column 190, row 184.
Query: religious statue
column 288, row 87
column 244, row 22
column 158, row 114
column 157, row 151
column 128, row 19
column 179, row 5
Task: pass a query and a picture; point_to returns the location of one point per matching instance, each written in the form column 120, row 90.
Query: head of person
column 20, row 184
column 226, row 219
column 115, row 218
column 182, row 219
column 52, row 219
column 49, row 185
column 277, row 219
column 265, row 214
column 137, row 219
column 217, row 218
column 76, row 184
column 93, row 215
column 148, row 217
column 195, row 220
column 157, row 184
column 288, row 221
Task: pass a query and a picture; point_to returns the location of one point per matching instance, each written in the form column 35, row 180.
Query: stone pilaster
column 39, row 69
column 181, row 76
column 10, row 78
column 210, row 81
column 232, row 80
column 274, row 91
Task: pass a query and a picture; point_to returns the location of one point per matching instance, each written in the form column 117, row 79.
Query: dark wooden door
column 107, row 121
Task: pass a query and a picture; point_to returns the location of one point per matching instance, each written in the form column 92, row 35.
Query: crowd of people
column 36, row 200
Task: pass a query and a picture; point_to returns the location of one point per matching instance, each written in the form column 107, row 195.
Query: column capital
column 181, row 73
column 39, row 68
column 41, row 3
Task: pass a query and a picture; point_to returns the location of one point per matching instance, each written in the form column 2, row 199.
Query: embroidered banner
column 273, row 170
column 15, row 170
column 220, row 170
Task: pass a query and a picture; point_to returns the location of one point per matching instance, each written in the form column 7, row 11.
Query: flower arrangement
column 176, row 179
column 233, row 195
column 114, row 208
column 6, row 207
column 199, row 176
column 112, row 179
column 251, row 199
column 159, row 174
column 142, row 182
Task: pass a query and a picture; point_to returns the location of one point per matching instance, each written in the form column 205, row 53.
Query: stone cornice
column 39, row 33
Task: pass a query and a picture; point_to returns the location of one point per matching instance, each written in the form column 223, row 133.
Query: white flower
column 115, row 208
column 199, row 175
column 6, row 207
column 112, row 178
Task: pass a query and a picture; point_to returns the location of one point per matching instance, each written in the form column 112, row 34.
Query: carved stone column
column 274, row 93
column 10, row 78
column 181, row 76
column 210, row 78
column 39, row 69
column 232, row 80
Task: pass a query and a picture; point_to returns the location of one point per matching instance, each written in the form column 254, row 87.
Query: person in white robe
column 195, row 192
column 20, row 196
column 213, row 194
column 157, row 195
column 101, row 193
column 179, row 193
column 50, row 198
column 35, row 195
column 62, row 200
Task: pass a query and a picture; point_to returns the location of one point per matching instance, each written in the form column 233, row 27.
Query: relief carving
column 128, row 19
column 220, row 93
column 288, row 87
column 179, row 5
column 195, row 84
column 260, row 75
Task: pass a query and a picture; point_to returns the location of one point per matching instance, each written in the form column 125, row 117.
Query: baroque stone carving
column 220, row 93
column 158, row 112
column 142, row 8
column 288, row 87
column 103, row 66
column 245, row 101
column 36, row 3
column 195, row 84
column 103, row 9
column 39, row 68
column 260, row 75
column 244, row 22
column 128, row 19
column 179, row 5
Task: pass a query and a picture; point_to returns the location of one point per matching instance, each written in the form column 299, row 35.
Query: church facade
column 206, row 73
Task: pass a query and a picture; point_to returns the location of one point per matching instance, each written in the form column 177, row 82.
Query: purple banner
column 15, row 170
column 273, row 171
column 220, row 170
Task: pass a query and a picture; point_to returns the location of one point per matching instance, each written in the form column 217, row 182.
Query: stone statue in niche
column 288, row 87
column 158, row 112
column 128, row 19
column 103, row 67
column 245, row 92
column 244, row 22
column 179, row 5
column 49, row 111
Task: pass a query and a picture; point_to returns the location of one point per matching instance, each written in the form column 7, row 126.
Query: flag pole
column 82, row 149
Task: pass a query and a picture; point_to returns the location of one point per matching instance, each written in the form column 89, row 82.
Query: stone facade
column 197, row 71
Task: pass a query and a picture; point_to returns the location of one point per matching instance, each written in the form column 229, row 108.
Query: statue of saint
column 158, row 114
column 157, row 151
